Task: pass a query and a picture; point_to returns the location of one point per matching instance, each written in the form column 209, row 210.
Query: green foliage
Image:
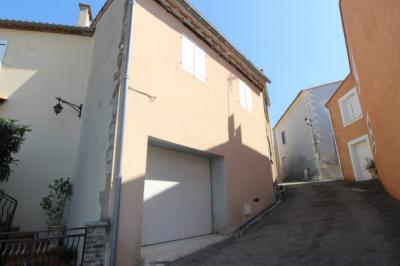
column 54, row 204
column 267, row 103
column 12, row 135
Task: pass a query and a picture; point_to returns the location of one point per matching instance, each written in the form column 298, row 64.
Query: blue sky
column 298, row 43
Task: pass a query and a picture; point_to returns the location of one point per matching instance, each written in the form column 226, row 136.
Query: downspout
column 120, row 132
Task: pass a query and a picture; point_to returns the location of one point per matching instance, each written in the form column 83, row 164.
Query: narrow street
column 329, row 223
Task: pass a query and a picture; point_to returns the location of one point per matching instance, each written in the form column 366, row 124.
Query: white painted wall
column 38, row 67
column 300, row 151
column 323, row 130
column 97, row 133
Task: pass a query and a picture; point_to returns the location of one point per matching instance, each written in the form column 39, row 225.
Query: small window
column 350, row 107
column 283, row 135
column 3, row 47
column 193, row 59
column 245, row 94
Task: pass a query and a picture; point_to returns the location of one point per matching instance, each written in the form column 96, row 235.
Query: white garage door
column 177, row 196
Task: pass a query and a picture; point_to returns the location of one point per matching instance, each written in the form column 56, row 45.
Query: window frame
column 193, row 69
column 343, row 101
column 3, row 51
column 245, row 96
column 283, row 137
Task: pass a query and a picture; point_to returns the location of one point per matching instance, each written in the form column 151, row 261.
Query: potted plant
column 54, row 204
column 371, row 167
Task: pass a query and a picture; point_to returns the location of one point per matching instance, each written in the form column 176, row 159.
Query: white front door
column 177, row 196
column 360, row 151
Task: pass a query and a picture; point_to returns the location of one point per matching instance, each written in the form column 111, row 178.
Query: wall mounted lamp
column 308, row 121
column 58, row 107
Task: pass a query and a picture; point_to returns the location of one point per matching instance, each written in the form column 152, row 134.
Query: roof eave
column 45, row 27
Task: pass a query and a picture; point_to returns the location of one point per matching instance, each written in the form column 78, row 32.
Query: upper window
column 245, row 94
column 193, row 59
column 283, row 135
column 350, row 107
column 3, row 47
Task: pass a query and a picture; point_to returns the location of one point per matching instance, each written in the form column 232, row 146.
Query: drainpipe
column 120, row 133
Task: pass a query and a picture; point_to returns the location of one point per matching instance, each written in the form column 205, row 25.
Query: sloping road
column 329, row 223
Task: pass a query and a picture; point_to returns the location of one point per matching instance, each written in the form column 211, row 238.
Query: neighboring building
column 196, row 157
column 351, row 131
column 304, row 138
column 372, row 37
column 38, row 63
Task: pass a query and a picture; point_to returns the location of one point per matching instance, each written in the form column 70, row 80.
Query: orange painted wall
column 345, row 134
column 372, row 30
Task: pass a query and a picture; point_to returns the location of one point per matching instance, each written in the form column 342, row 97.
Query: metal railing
column 44, row 248
column 8, row 206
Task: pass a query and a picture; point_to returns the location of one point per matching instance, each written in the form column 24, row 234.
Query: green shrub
column 54, row 204
column 12, row 135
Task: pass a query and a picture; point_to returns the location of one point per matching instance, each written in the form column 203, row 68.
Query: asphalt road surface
column 328, row 223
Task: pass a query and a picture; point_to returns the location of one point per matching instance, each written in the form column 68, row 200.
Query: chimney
column 85, row 15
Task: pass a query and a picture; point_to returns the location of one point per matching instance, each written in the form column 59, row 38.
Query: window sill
column 348, row 123
column 189, row 73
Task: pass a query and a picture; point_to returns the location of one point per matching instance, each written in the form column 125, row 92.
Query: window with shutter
column 193, row 59
column 187, row 55
column 3, row 47
column 249, row 99
column 245, row 94
column 283, row 135
column 242, row 94
column 350, row 107
column 200, row 63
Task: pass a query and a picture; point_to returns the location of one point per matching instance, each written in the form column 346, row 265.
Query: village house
column 351, row 131
column 365, row 109
column 171, row 138
column 305, row 145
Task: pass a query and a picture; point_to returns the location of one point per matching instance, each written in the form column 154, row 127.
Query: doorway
column 360, row 153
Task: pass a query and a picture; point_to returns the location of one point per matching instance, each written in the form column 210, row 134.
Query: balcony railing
column 44, row 248
column 7, row 210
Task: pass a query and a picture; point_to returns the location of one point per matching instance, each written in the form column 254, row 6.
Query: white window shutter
column 187, row 55
column 249, row 99
column 200, row 63
column 242, row 94
column 355, row 104
column 344, row 111
column 3, row 47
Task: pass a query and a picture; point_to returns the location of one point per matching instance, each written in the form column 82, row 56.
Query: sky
column 298, row 43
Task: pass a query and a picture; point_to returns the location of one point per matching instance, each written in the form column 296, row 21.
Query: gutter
column 120, row 132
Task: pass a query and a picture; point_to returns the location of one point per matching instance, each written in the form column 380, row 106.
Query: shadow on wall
column 300, row 169
column 44, row 155
column 239, row 175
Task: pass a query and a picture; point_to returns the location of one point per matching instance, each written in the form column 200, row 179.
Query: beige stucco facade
column 38, row 67
column 205, row 116
column 167, row 107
